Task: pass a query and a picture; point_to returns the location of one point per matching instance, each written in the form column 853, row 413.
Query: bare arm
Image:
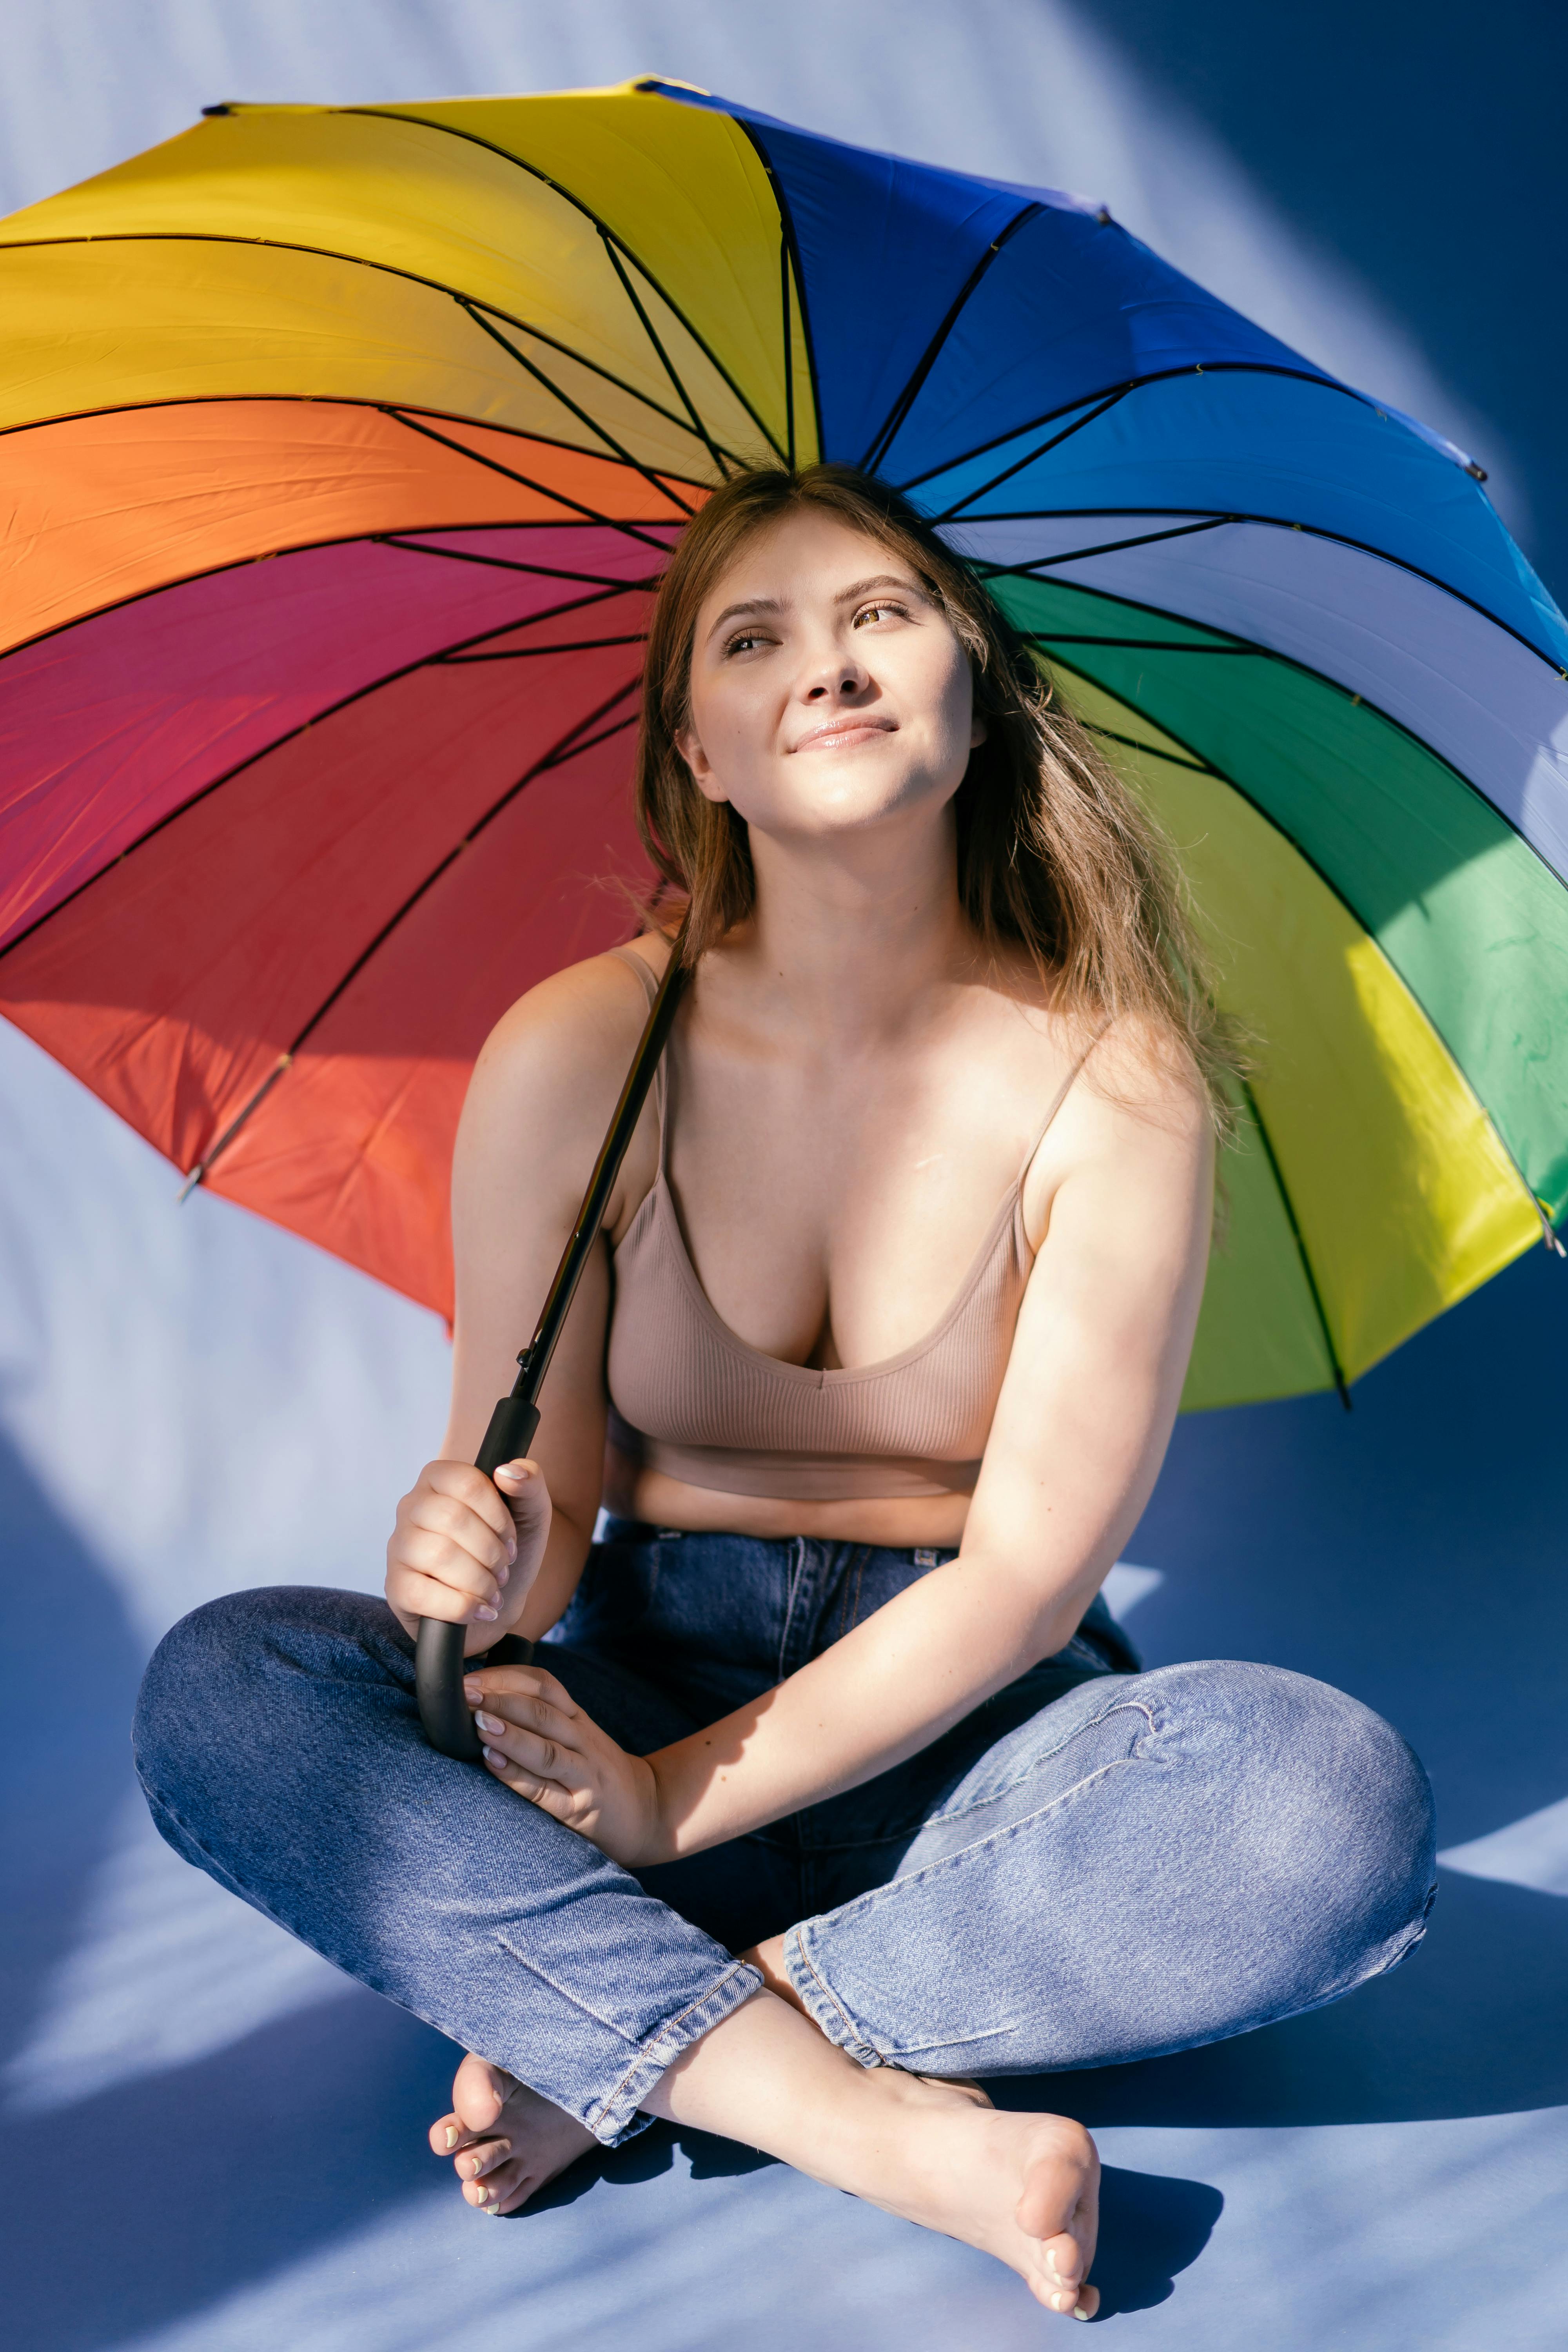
column 540, row 1097
column 1085, row 1416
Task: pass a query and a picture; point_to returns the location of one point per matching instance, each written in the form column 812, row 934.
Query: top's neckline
column 820, row 1375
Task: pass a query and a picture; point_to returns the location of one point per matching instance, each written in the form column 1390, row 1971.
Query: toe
column 478, row 2161
column 479, row 2093
column 502, row 2190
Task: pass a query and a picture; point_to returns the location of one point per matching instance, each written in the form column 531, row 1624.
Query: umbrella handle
column 439, row 1651
column 438, row 1648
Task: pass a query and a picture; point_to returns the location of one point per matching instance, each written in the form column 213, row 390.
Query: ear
column 978, row 732
column 689, row 744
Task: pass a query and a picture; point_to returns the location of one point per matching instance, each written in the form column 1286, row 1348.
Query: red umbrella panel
column 328, row 812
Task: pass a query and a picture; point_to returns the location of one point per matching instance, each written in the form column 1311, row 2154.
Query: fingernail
column 1079, row 2313
column 453, row 2135
column 490, row 1723
column 486, row 1613
column 492, row 1755
column 519, row 1470
column 503, row 1571
column 472, row 1692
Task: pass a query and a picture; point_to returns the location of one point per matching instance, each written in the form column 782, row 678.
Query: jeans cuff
column 822, row 2004
column 616, row 2118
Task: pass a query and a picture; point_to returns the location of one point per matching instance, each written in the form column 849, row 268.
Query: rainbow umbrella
column 344, row 446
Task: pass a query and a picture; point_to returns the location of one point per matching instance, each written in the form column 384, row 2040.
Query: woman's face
column 828, row 692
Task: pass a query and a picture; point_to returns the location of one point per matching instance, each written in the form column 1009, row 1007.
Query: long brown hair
column 1054, row 853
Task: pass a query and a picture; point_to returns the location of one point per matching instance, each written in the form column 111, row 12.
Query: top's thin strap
column 1060, row 1097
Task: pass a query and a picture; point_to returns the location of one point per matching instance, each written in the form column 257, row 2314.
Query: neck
column 854, row 929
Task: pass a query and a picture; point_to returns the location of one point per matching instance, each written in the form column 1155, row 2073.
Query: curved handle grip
column 439, row 1651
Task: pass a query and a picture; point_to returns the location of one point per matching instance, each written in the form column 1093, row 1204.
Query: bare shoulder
column 1133, row 1143
column 556, row 1059
column 1145, row 1078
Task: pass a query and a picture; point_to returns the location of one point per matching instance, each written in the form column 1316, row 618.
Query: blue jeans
column 1097, row 1864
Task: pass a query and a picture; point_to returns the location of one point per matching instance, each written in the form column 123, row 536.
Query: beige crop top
column 691, row 1399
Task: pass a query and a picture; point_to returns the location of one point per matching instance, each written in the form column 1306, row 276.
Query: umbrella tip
column 1476, row 473
column 227, row 107
column 192, row 1180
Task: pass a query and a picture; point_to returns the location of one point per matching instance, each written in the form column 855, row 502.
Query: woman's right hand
column 466, row 1549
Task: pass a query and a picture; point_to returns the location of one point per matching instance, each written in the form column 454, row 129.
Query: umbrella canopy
column 342, row 449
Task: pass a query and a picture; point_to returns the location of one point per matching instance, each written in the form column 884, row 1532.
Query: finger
column 562, row 1804
column 536, row 1752
column 419, row 1595
column 517, row 1710
column 522, row 1487
column 467, row 1485
column 443, row 1515
column 445, row 1562
column 512, row 1682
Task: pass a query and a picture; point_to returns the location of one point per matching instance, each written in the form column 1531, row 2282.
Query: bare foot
column 1023, row 2187
column 504, row 2140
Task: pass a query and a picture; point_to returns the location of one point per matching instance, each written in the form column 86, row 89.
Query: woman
column 842, row 1786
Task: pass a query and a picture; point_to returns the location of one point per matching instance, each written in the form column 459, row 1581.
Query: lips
column 843, row 732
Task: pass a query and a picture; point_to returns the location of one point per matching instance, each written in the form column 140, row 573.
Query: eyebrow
column 846, row 596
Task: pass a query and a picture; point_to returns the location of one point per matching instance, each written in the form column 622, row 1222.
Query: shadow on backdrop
column 1337, row 110
column 64, row 1751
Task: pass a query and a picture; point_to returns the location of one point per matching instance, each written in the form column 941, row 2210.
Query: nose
column 837, row 679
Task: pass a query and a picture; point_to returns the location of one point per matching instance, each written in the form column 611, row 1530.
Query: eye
column 744, row 641
column 880, row 608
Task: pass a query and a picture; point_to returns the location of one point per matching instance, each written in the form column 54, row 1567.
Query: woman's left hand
column 539, row 1742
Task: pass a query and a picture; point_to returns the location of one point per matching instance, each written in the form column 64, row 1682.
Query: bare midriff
column 632, row 1491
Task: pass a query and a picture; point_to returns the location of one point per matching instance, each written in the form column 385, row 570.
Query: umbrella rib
column 789, row 259
column 1135, row 743
column 1107, row 547
column 893, row 423
column 554, row 389
column 786, row 345
column 451, row 131
column 525, row 653
column 387, row 269
column 590, row 514
column 568, row 747
column 1268, row 522
column 1195, row 758
column 1289, row 1207
column 1133, row 645
column 264, row 751
column 507, row 562
column 1042, row 449
column 721, row 459
column 1133, row 384
column 313, row 546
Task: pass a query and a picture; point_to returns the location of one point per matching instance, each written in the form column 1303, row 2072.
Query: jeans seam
column 957, row 1812
column 797, row 1574
column 853, row 2042
column 609, row 2120
column 947, row 1861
